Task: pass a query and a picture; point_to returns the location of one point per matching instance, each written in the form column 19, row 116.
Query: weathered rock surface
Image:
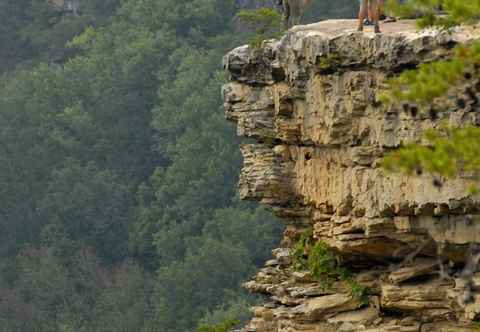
column 311, row 103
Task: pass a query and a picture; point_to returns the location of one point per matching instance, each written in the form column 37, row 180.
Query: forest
column 118, row 171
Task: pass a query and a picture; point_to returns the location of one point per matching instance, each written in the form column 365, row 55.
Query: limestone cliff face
column 310, row 102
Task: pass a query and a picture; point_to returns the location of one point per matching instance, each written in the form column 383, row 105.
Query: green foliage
column 225, row 326
column 329, row 64
column 432, row 80
column 450, row 151
column 324, row 266
column 447, row 153
column 236, row 309
column 266, row 23
column 37, row 31
column 235, row 224
column 118, row 209
column 357, row 290
column 74, row 294
column 300, row 251
column 182, row 289
column 476, row 326
column 226, row 246
column 74, row 219
column 456, row 11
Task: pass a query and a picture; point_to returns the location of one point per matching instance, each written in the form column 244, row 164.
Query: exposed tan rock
column 319, row 307
column 311, row 102
column 418, row 267
column 362, row 316
column 416, row 297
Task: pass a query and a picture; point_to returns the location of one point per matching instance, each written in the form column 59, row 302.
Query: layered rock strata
column 310, row 102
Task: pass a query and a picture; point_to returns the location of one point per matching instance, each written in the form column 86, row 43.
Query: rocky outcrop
column 311, row 103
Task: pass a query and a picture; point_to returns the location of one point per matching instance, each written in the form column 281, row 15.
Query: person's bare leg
column 374, row 14
column 362, row 14
column 381, row 9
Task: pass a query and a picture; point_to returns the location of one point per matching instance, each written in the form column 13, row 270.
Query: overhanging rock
column 311, row 103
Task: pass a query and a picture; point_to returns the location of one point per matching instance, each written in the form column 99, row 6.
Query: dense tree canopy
column 118, row 207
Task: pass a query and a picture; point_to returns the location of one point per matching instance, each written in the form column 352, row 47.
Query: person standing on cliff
column 369, row 9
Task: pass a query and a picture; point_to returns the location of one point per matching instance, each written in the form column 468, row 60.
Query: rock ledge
column 311, row 103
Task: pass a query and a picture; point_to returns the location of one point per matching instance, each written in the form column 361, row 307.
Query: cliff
column 309, row 102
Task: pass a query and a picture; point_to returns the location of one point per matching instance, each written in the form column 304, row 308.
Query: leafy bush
column 323, row 264
column 357, row 290
column 299, row 253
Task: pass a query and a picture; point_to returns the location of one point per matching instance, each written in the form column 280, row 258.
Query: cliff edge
column 310, row 103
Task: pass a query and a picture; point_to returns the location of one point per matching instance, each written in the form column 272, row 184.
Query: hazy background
column 118, row 172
